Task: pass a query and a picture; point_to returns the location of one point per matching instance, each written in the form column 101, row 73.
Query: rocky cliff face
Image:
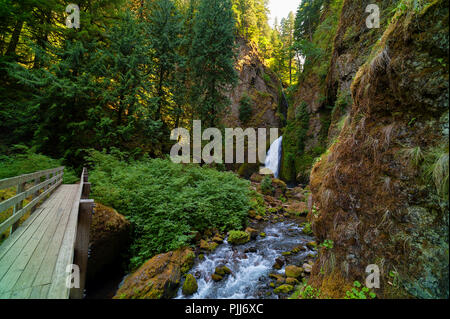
column 381, row 189
column 258, row 85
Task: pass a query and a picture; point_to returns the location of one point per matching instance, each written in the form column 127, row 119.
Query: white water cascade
column 273, row 157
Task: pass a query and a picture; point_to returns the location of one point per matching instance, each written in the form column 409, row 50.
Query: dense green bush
column 29, row 162
column 168, row 202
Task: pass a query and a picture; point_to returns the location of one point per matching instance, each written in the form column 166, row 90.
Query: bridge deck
column 34, row 258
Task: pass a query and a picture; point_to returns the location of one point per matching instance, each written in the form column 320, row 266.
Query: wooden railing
column 38, row 190
column 85, row 208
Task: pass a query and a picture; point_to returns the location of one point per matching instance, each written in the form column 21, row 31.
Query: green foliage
column 167, row 202
column 309, row 292
column 266, row 185
column 436, row 168
column 327, row 244
column 307, row 229
column 29, row 162
column 359, row 293
column 294, row 138
column 212, row 57
column 245, row 108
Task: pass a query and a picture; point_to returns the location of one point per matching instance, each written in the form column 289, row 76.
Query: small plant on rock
column 327, row 244
column 266, row 185
column 359, row 292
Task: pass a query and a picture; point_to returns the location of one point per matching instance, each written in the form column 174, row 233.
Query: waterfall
column 273, row 157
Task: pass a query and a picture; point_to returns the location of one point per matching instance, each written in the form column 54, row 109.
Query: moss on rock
column 237, row 237
column 190, row 285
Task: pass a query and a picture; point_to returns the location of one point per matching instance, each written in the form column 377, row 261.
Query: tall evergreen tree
column 212, row 58
column 163, row 29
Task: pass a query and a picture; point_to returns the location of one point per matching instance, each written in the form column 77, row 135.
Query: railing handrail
column 48, row 185
column 14, row 181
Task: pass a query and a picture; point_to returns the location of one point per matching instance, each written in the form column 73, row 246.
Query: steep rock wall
column 381, row 189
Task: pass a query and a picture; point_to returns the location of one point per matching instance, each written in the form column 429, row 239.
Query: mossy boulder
column 237, row 237
column 159, row 277
column 247, row 169
column 256, row 178
column 190, row 285
column 208, row 245
column 293, row 271
column 109, row 236
column 292, row 281
column 216, row 277
column 222, row 271
column 217, row 239
column 284, row 289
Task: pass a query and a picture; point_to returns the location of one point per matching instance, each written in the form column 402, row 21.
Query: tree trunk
column 14, row 38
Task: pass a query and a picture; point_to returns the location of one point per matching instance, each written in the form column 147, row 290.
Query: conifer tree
column 212, row 57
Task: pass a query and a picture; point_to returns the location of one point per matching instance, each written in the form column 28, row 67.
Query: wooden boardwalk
column 36, row 260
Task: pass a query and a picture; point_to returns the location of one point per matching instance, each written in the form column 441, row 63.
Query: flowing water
column 250, row 264
column 273, row 157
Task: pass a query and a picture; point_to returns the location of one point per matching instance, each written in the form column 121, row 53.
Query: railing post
column 18, row 206
column 36, row 194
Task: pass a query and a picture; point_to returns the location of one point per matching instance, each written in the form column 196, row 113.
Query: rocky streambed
column 257, row 269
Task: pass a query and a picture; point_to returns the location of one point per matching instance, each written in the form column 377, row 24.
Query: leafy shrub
column 168, row 202
column 245, row 109
column 266, row 185
column 359, row 293
column 327, row 244
column 307, row 229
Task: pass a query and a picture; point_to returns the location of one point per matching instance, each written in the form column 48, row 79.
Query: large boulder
column 109, row 238
column 159, row 277
column 293, row 271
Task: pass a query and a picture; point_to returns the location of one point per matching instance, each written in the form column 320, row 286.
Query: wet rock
column 159, row 277
column 190, row 285
column 292, row 281
column 222, row 271
column 307, row 268
column 278, row 263
column 216, row 277
column 311, row 245
column 250, row 250
column 252, row 232
column 208, row 246
column 238, row 237
column 262, row 235
column 217, row 239
column 284, row 289
column 293, row 271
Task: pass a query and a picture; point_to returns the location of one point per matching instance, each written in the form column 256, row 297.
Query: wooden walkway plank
column 34, row 258
column 46, row 270
column 9, row 279
column 10, row 241
column 11, row 254
column 58, row 289
column 39, row 255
